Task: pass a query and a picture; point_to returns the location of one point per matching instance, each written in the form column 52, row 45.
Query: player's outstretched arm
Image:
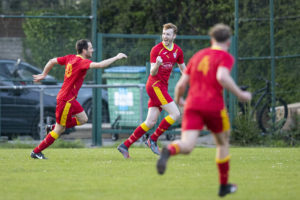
column 107, row 62
column 47, row 68
column 180, row 89
column 224, row 78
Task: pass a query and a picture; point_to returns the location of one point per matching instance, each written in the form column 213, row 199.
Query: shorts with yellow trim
column 65, row 110
column 215, row 121
column 158, row 93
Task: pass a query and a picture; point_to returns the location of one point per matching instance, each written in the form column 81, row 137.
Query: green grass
column 19, row 144
column 102, row 173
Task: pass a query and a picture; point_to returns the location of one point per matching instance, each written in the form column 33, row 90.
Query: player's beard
column 88, row 55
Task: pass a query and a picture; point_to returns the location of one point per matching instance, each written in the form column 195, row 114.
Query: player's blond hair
column 170, row 26
column 220, row 32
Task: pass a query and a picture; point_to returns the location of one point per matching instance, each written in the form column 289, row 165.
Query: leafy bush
column 292, row 136
column 245, row 131
column 50, row 38
column 294, row 133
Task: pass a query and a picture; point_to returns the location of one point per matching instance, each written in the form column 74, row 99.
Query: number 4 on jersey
column 204, row 65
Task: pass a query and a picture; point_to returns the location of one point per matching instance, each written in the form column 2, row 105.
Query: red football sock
column 223, row 166
column 163, row 126
column 50, row 138
column 173, row 149
column 138, row 132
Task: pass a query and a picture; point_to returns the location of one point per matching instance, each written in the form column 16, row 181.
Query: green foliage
column 245, row 130
column 247, row 133
column 294, row 135
column 289, row 137
column 254, row 40
column 23, row 6
column 147, row 16
column 274, row 127
column 196, row 17
column 49, row 38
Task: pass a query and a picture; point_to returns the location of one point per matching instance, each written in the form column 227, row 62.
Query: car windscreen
column 25, row 73
column 6, row 70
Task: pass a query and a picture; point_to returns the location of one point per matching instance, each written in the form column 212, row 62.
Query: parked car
column 85, row 98
column 22, row 72
column 14, row 72
column 20, row 110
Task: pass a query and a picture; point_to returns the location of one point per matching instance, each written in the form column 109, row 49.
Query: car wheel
column 115, row 137
column 105, row 112
column 49, row 118
column 170, row 137
column 88, row 108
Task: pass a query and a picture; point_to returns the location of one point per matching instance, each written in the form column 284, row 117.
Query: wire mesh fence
column 268, row 50
column 36, row 31
column 27, row 109
column 255, row 45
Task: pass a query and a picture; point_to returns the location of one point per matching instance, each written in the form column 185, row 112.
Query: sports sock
column 223, row 166
column 138, row 132
column 163, row 126
column 49, row 139
column 173, row 149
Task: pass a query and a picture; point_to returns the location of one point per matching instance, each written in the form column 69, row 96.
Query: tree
column 48, row 38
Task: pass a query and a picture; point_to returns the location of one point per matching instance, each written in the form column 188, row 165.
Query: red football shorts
column 158, row 94
column 216, row 121
column 65, row 110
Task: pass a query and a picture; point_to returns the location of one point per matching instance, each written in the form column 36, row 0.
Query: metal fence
column 26, row 109
column 268, row 52
column 138, row 47
column 268, row 46
column 35, row 31
column 265, row 44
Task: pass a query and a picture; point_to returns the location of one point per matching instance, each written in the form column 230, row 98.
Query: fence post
column 232, row 98
column 41, row 113
column 141, row 108
column 97, row 98
column 0, row 116
column 272, row 49
column 141, row 104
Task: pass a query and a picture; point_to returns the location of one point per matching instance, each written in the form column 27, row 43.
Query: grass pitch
column 102, row 173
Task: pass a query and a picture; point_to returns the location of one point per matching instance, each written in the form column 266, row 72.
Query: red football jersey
column 205, row 92
column 75, row 70
column 169, row 57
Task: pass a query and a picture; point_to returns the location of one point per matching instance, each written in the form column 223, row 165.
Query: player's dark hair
column 170, row 26
column 220, row 32
column 82, row 44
